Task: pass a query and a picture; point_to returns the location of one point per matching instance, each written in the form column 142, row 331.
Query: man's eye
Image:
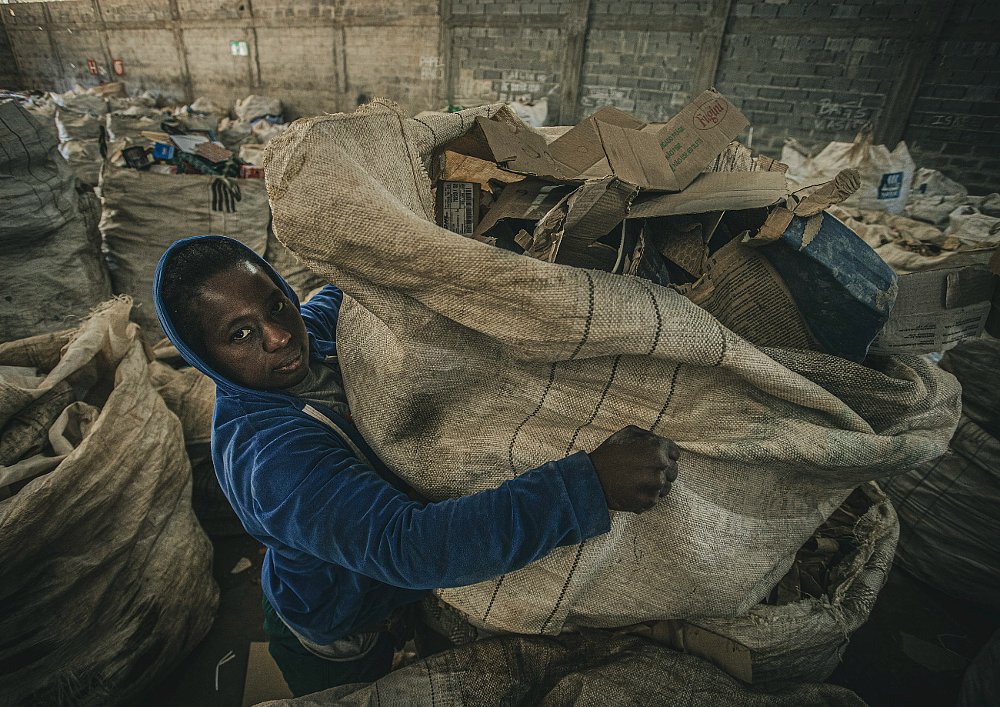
column 241, row 335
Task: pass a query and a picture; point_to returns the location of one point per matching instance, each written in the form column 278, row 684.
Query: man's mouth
column 290, row 364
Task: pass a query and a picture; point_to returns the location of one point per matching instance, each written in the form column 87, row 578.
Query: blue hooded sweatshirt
column 345, row 543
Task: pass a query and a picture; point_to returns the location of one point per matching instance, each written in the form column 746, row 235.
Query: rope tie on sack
column 225, row 194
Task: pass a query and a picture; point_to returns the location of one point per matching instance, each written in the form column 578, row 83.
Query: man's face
column 253, row 333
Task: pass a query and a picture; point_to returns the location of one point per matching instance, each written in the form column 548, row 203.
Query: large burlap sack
column 107, row 576
column 143, row 213
column 466, row 365
column 591, row 670
column 804, row 641
column 799, row 639
column 51, row 262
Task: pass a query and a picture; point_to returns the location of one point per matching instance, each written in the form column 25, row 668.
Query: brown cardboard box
column 653, row 157
column 936, row 309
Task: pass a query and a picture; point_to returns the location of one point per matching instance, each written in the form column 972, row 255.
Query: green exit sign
column 239, row 48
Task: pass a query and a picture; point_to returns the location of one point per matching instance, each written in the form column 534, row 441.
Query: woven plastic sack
column 36, row 186
column 466, row 365
column 53, row 273
column 107, row 577
column 949, row 508
column 143, row 213
column 885, row 175
column 592, row 670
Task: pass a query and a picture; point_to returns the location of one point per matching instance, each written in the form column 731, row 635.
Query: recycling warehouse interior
column 767, row 231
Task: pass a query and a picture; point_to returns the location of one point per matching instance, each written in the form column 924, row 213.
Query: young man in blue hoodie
column 347, row 540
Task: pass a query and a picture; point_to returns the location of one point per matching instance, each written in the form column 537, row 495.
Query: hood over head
column 185, row 350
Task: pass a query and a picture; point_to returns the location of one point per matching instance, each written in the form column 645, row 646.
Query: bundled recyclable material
column 53, row 273
column 885, row 174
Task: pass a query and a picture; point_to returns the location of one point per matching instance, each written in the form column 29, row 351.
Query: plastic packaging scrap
column 544, row 359
column 885, row 174
column 949, row 508
column 97, row 449
column 254, row 108
column 53, row 272
column 200, row 116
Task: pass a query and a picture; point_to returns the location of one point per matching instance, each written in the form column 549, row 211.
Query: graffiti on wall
column 842, row 116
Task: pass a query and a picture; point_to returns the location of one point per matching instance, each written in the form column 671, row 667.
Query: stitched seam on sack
column 572, row 570
column 579, row 552
column 413, row 170
column 600, row 402
column 433, row 134
column 590, row 315
column 510, row 460
column 670, row 396
column 659, row 320
column 725, row 347
column 430, row 681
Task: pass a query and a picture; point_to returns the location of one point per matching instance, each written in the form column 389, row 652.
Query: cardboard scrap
column 715, row 191
column 528, row 200
column 938, row 308
column 457, row 205
column 653, row 157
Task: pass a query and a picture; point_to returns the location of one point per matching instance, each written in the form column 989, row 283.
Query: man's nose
column 275, row 337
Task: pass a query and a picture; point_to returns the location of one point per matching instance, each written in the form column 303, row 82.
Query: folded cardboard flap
column 653, row 157
column 527, row 200
column 715, row 191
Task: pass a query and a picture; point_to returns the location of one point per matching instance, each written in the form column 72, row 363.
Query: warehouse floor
column 912, row 651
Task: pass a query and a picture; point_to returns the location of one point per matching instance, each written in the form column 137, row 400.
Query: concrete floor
column 912, row 651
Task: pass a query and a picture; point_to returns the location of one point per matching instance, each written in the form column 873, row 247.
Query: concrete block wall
column 316, row 55
column 920, row 70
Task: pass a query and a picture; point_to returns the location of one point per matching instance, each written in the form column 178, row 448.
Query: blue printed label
column 891, row 185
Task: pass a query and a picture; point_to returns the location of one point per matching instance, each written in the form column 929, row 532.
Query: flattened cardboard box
column 652, row 157
column 936, row 309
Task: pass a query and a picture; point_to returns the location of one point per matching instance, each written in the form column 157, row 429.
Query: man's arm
column 321, row 312
column 340, row 510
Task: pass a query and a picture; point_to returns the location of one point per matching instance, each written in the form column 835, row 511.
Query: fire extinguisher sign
column 118, row 66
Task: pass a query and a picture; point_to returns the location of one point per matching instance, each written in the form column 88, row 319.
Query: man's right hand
column 636, row 468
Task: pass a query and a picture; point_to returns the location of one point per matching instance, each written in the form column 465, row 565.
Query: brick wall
column 955, row 121
column 920, row 70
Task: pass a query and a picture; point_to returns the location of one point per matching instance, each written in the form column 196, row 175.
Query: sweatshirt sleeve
column 321, row 312
column 340, row 510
